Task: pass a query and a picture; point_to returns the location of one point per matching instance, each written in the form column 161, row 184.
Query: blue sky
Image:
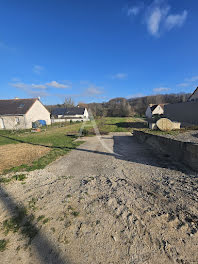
column 95, row 50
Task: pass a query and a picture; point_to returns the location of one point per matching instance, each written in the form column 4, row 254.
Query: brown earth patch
column 16, row 155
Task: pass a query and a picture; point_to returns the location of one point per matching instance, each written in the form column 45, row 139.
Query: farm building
column 154, row 109
column 21, row 113
column 69, row 114
column 185, row 112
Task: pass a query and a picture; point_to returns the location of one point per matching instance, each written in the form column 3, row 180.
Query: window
column 17, row 120
column 21, row 106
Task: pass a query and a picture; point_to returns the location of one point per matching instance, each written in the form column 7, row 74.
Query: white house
column 194, row 95
column 69, row 114
column 154, row 109
column 21, row 113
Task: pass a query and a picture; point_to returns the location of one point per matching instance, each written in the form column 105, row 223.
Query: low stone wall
column 185, row 152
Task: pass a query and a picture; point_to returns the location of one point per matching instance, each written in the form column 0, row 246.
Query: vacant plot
column 108, row 201
column 34, row 154
column 16, row 155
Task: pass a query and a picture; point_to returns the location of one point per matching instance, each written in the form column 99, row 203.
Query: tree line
column 122, row 107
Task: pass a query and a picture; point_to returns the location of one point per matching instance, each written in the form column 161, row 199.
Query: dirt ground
column 17, row 154
column 110, row 201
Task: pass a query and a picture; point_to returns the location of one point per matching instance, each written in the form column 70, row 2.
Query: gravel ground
column 109, row 201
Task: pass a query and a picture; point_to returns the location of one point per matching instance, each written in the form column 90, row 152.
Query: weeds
column 45, row 221
column 21, row 221
column 32, row 204
column 41, row 217
column 20, row 177
column 3, row 244
column 75, row 213
column 13, row 224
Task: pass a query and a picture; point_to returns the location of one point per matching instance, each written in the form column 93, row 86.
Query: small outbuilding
column 69, row 114
column 154, row 109
column 21, row 113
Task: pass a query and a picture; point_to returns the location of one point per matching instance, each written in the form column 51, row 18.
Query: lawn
column 61, row 138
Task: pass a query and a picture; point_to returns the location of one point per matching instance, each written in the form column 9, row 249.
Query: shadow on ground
column 129, row 149
column 45, row 249
column 130, row 124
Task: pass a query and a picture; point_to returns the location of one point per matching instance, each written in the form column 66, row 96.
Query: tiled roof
column 16, row 106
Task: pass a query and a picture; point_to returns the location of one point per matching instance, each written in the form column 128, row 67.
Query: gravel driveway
column 115, row 202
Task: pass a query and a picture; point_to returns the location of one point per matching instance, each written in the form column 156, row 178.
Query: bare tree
column 69, row 102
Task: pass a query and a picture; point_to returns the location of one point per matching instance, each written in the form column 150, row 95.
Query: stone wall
column 185, row 152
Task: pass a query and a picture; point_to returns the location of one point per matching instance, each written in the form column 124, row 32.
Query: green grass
column 13, row 224
column 172, row 132
column 3, row 244
column 20, row 177
column 21, row 222
column 45, row 220
column 57, row 138
column 41, row 217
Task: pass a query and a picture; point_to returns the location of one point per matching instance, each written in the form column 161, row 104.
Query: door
column 1, row 123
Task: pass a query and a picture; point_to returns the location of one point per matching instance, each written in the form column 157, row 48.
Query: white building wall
column 158, row 110
column 86, row 114
column 37, row 112
column 12, row 122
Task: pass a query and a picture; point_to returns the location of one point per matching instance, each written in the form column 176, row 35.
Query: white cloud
column 176, row 20
column 154, row 20
column 93, row 91
column 32, row 89
column 135, row 95
column 189, row 82
column 55, row 84
column 184, row 84
column 161, row 89
column 20, row 85
column 38, row 69
column 134, row 11
column 158, row 17
column 39, row 86
column 119, row 76
column 192, row 79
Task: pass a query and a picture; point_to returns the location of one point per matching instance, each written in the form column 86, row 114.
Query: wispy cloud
column 39, row 89
column 90, row 92
column 175, row 20
column 158, row 17
column 56, row 84
column 135, row 95
column 189, row 82
column 32, row 89
column 38, row 69
column 93, row 91
column 39, row 86
column 134, row 10
column 183, row 84
column 155, row 19
column 161, row 89
column 119, row 76
column 192, row 79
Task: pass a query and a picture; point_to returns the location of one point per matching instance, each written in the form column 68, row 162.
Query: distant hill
column 129, row 107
